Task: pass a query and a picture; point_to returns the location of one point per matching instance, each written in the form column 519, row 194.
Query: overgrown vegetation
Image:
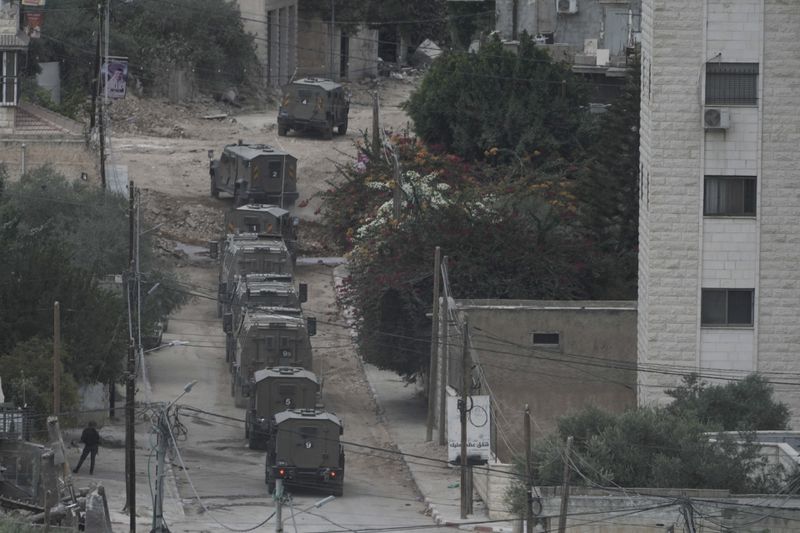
column 60, row 241
column 204, row 36
column 672, row 447
column 506, row 178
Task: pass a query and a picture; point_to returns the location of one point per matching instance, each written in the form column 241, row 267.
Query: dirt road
column 165, row 149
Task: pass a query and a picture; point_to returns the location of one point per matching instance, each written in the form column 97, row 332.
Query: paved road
column 229, row 477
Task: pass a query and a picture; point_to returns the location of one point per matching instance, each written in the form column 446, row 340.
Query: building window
column 731, row 83
column 547, row 340
column 8, row 78
column 729, row 196
column 727, row 307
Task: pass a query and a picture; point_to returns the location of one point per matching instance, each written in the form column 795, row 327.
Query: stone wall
column 71, row 157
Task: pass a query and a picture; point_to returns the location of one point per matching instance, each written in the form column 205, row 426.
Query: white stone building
column 719, row 256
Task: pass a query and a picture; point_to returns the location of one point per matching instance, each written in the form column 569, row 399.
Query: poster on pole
column 478, row 429
column 33, row 3
column 115, row 77
column 33, row 23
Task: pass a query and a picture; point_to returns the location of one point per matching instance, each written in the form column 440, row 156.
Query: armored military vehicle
column 268, row 337
column 254, row 173
column 313, row 104
column 306, row 451
column 263, row 219
column 265, row 290
column 249, row 253
column 275, row 390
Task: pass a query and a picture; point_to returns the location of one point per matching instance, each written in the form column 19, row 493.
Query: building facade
column 719, row 288
column 557, row 357
column 273, row 23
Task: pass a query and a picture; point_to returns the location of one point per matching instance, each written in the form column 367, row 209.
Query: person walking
column 91, row 441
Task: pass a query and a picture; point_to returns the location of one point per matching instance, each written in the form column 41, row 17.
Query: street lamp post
column 164, row 433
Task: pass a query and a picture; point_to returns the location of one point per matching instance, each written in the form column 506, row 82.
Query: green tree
column 206, row 36
column 60, row 241
column 27, row 373
column 390, row 279
column 745, row 405
column 607, row 191
column 522, row 102
column 647, row 447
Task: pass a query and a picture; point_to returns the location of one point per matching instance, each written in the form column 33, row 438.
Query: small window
column 546, row 340
column 727, row 307
column 731, row 83
column 284, row 342
column 729, row 196
column 268, row 342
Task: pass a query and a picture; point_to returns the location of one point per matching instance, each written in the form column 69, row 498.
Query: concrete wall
column 606, row 21
column 273, row 23
column 597, row 511
column 681, row 251
column 314, row 52
column 491, row 483
column 553, row 381
column 70, row 157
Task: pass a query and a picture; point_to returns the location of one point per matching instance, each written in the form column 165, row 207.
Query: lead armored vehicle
column 275, row 390
column 306, row 451
column 314, row 104
column 254, row 173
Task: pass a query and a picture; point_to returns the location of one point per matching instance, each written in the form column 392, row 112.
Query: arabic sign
column 34, row 3
column 478, row 428
column 115, row 76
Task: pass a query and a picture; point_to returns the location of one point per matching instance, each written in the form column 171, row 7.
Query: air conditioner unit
column 715, row 118
column 567, row 6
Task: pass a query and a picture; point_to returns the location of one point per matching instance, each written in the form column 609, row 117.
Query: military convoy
column 268, row 348
column 313, row 104
column 254, row 173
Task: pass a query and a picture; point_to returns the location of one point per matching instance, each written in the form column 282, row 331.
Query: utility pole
column 688, row 515
column 437, row 260
column 56, row 358
column 159, row 525
column 562, row 520
column 279, row 505
column 333, row 38
column 444, row 367
column 466, row 486
column 96, row 84
column 376, row 126
column 130, row 384
column 104, row 100
column 528, row 471
column 396, row 191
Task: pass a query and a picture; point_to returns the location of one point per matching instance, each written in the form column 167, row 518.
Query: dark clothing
column 91, row 440
column 90, row 437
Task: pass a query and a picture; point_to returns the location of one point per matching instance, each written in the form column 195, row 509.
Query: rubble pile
column 179, row 220
column 159, row 118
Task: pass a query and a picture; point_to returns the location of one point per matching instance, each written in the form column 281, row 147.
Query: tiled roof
column 14, row 42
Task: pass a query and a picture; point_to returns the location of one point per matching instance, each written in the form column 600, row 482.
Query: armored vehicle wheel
column 214, row 190
column 343, row 128
column 327, row 133
column 282, row 131
column 338, row 491
column 270, row 487
column 247, row 430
